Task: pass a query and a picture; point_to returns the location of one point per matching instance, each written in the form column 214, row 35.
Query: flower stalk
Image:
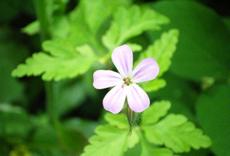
column 132, row 118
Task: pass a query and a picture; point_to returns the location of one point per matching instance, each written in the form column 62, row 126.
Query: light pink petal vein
column 122, row 58
column 146, row 70
column 114, row 100
column 106, row 78
column 137, row 99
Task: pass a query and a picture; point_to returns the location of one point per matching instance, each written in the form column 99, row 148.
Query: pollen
column 127, row 81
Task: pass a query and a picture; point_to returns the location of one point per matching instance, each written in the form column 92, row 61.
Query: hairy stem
column 132, row 118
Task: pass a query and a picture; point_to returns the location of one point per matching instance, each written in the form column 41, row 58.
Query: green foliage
column 214, row 117
column 60, row 139
column 61, row 58
column 92, row 19
column 65, row 55
column 107, row 137
column 119, row 121
column 162, row 50
column 204, row 47
column 78, row 41
column 154, row 85
column 31, row 28
column 148, row 149
column 154, row 113
column 177, row 133
column 115, row 134
column 131, row 22
column 61, row 62
column 173, row 131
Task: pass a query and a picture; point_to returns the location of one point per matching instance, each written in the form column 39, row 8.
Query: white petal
column 138, row 100
column 105, row 79
column 147, row 70
column 122, row 58
column 114, row 100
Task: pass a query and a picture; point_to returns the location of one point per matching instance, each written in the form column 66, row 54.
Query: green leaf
column 94, row 15
column 213, row 115
column 108, row 141
column 133, row 138
column 154, row 85
column 116, row 134
column 60, row 26
column 77, row 22
column 60, row 48
column 61, row 62
column 149, row 150
column 32, row 28
column 155, row 112
column 163, row 49
column 135, row 47
column 130, row 22
column 199, row 52
column 177, row 133
column 118, row 120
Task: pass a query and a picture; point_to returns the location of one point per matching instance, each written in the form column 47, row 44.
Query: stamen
column 127, row 81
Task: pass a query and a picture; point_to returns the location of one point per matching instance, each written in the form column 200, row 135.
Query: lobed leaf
column 177, row 133
column 63, row 62
column 94, row 15
column 148, row 150
column 131, row 22
column 163, row 49
column 154, row 85
column 32, row 28
column 155, row 112
column 118, row 120
column 108, row 141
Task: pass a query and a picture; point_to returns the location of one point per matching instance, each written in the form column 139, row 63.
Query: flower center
column 127, row 81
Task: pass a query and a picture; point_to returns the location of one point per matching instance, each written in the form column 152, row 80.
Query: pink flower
column 125, row 82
